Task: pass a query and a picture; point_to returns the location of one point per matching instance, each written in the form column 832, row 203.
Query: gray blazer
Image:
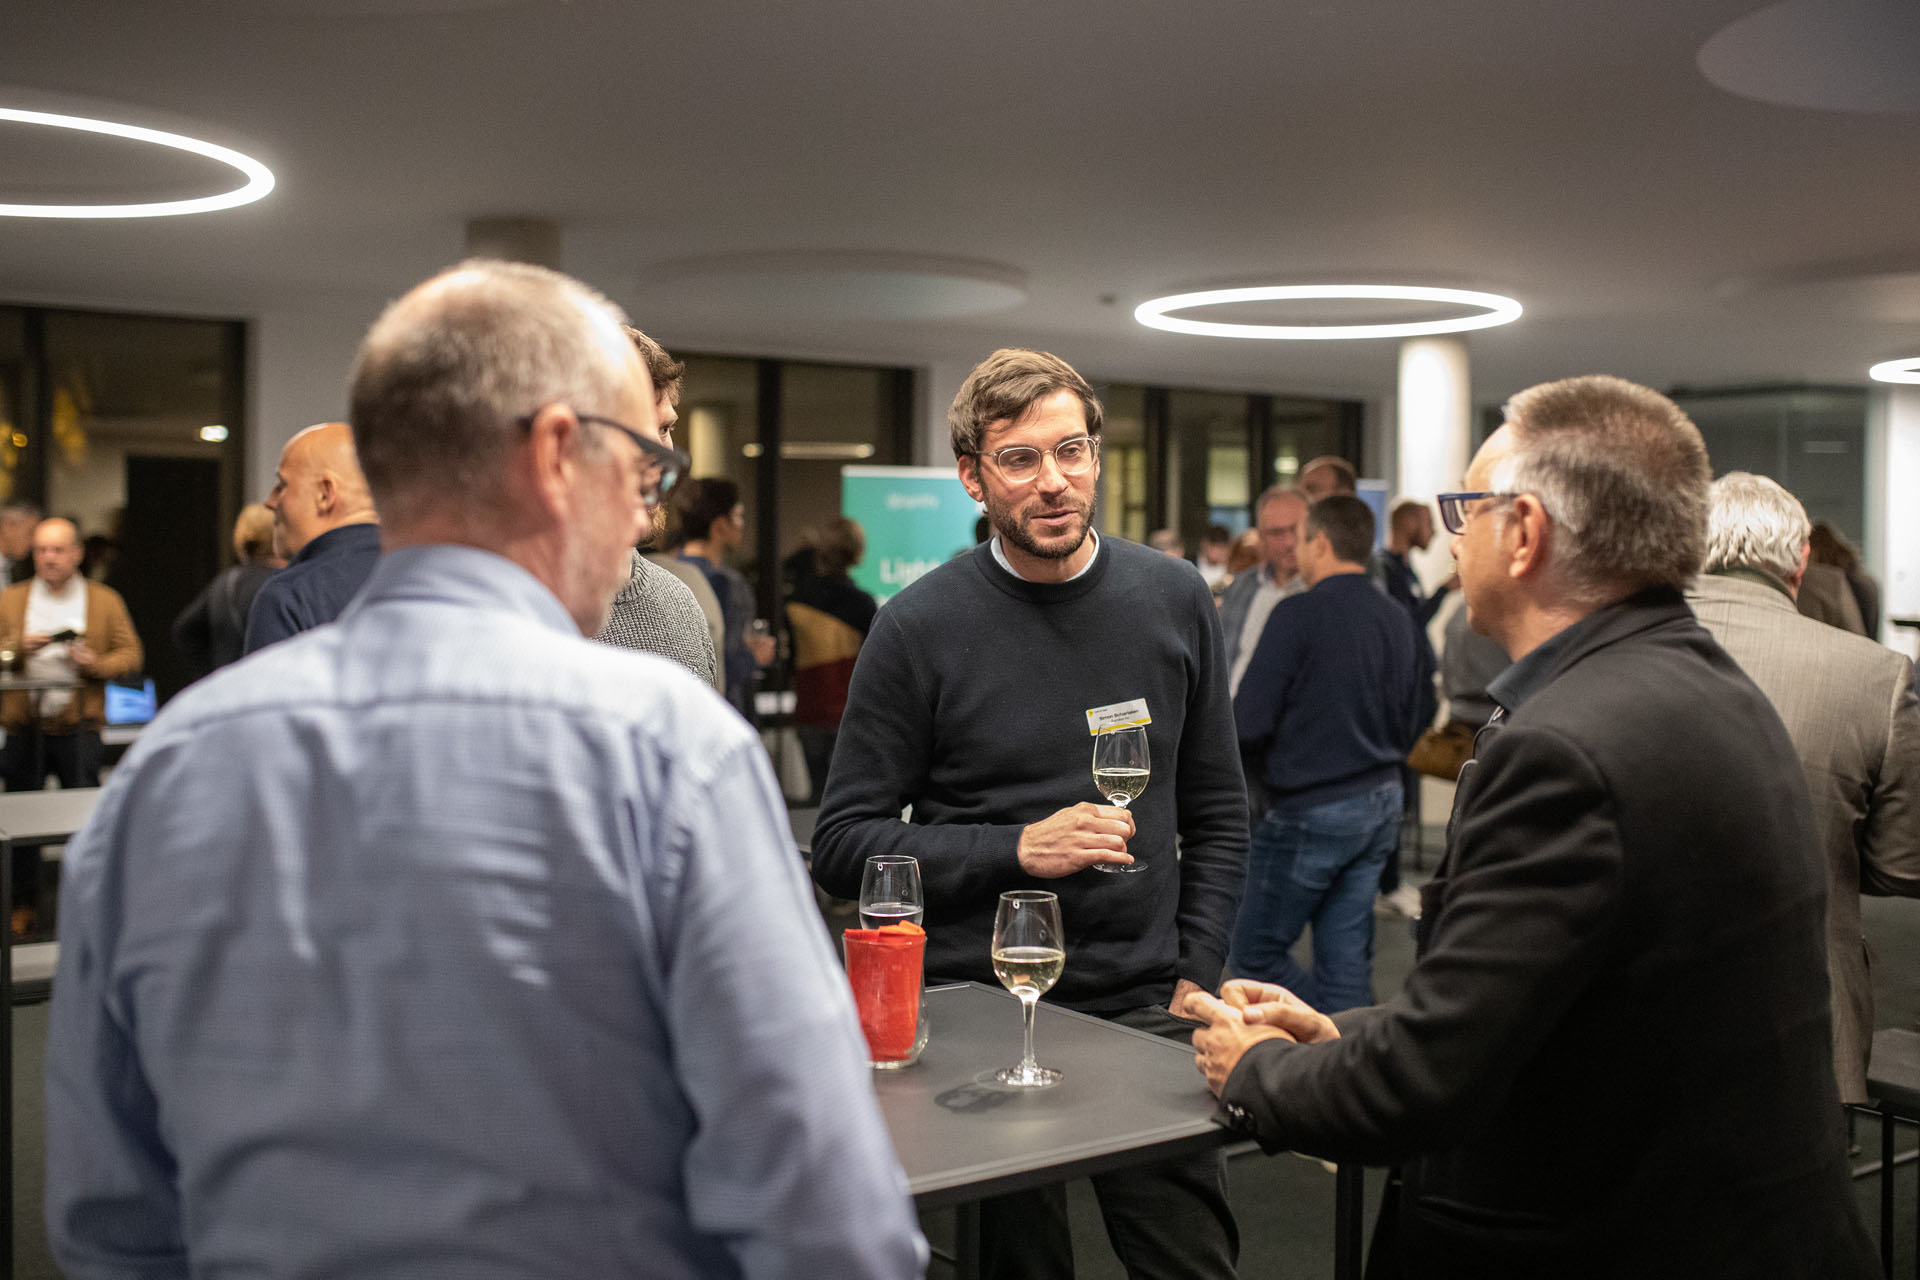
column 1849, row 706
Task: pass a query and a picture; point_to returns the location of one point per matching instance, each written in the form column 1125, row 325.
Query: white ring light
column 259, row 177
column 1497, row 310
column 1907, row 370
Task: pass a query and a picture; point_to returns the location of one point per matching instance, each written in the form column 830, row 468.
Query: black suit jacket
column 1612, row 1055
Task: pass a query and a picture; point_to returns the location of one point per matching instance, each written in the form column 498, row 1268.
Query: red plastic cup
column 884, row 967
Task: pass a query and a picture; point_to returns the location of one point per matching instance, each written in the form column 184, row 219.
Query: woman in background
column 212, row 631
column 829, row 617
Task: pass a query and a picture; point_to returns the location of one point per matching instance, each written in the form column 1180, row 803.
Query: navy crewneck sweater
column 969, row 703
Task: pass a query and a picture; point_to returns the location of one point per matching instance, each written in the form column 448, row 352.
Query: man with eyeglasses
column 657, row 611
column 974, row 701
column 1611, row 1057
column 444, row 941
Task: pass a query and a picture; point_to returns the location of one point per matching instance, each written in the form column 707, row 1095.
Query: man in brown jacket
column 61, row 625
column 58, row 626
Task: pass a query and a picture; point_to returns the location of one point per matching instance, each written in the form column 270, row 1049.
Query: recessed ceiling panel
column 834, row 285
column 1832, row 55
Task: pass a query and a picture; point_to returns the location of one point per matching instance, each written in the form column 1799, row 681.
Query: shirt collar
column 1534, row 672
column 1749, row 573
column 449, row 574
column 1000, row 556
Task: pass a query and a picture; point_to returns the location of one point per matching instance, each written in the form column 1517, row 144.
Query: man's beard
column 1001, row 516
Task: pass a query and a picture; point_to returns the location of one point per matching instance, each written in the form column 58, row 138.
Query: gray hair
column 447, row 372
column 1007, row 384
column 1623, row 473
column 1752, row 523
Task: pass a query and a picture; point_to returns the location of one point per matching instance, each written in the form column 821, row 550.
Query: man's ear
column 1527, row 533
column 1799, row 573
column 326, row 494
column 969, row 468
column 553, row 457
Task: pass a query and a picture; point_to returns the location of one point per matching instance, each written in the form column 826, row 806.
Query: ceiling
column 919, row 181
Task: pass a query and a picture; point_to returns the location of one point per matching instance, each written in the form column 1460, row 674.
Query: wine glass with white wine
column 1121, row 768
column 1029, row 953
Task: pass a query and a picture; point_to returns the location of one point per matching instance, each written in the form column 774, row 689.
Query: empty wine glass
column 1121, row 768
column 1029, row 954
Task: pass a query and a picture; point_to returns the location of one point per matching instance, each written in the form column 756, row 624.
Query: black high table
column 28, row 820
column 1126, row 1098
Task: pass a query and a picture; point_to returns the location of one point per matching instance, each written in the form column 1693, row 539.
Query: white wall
column 299, row 360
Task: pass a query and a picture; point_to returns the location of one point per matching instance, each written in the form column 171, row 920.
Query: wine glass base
column 1027, row 1077
column 1120, row 868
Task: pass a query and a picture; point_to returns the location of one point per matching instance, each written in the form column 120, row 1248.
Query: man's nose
column 1051, row 477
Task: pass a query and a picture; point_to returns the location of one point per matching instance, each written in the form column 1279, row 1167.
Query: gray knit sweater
column 655, row 613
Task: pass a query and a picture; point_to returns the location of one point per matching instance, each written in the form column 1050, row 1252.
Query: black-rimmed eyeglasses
column 667, row 464
column 1021, row 463
column 1453, row 508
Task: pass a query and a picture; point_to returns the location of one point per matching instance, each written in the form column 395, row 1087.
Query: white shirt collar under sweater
column 1000, row 555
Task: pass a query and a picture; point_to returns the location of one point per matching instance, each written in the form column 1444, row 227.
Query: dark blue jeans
column 1317, row 866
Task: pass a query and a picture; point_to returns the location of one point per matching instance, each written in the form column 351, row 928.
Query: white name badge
column 1120, row 715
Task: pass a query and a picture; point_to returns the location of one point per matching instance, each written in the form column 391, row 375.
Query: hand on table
column 1246, row 1013
column 1074, row 839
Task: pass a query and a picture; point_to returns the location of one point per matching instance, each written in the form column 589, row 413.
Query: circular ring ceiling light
column 1494, row 310
column 259, row 177
column 1907, row 370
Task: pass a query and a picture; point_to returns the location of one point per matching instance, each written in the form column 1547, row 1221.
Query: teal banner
column 915, row 518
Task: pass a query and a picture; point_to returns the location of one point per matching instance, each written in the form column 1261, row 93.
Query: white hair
column 1752, row 523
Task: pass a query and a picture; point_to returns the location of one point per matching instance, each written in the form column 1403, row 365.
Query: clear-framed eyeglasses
column 661, row 467
column 1455, row 508
column 1021, row 463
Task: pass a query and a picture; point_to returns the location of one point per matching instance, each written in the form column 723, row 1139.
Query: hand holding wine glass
column 1121, row 768
column 1029, row 954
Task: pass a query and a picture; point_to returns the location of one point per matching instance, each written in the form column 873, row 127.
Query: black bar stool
column 1893, row 1081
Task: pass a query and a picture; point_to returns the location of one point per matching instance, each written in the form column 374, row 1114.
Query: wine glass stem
column 1026, row 1012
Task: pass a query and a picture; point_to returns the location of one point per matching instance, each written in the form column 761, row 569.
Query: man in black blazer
column 1611, row 1058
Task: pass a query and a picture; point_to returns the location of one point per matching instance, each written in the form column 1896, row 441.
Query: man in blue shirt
column 444, row 941
column 324, row 521
column 1326, row 709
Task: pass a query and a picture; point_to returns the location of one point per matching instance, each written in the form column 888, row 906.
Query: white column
column 1435, row 404
column 1892, row 485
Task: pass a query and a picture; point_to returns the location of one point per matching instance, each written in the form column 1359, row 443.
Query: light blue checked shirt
column 441, row 942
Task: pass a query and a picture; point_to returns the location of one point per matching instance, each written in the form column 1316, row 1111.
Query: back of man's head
column 1007, row 384
column 664, row 371
column 1348, row 524
column 1328, row 475
column 701, row 502
column 1752, row 523
column 448, row 374
column 1623, row 473
column 837, row 546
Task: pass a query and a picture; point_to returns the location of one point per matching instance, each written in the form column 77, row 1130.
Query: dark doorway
column 173, row 509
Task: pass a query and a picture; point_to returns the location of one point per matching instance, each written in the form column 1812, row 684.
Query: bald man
column 323, row 519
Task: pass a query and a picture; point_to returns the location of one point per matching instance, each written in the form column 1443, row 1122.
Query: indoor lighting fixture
column 1495, row 310
column 1907, row 370
column 259, row 177
column 213, row 434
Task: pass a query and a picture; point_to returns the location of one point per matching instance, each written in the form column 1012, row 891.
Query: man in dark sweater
column 973, row 701
column 1326, row 706
column 323, row 518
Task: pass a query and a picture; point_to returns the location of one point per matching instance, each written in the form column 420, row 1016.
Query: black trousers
column 26, row 762
column 1168, row 1221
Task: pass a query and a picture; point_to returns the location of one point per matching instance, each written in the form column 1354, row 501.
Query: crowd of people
column 492, row 957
